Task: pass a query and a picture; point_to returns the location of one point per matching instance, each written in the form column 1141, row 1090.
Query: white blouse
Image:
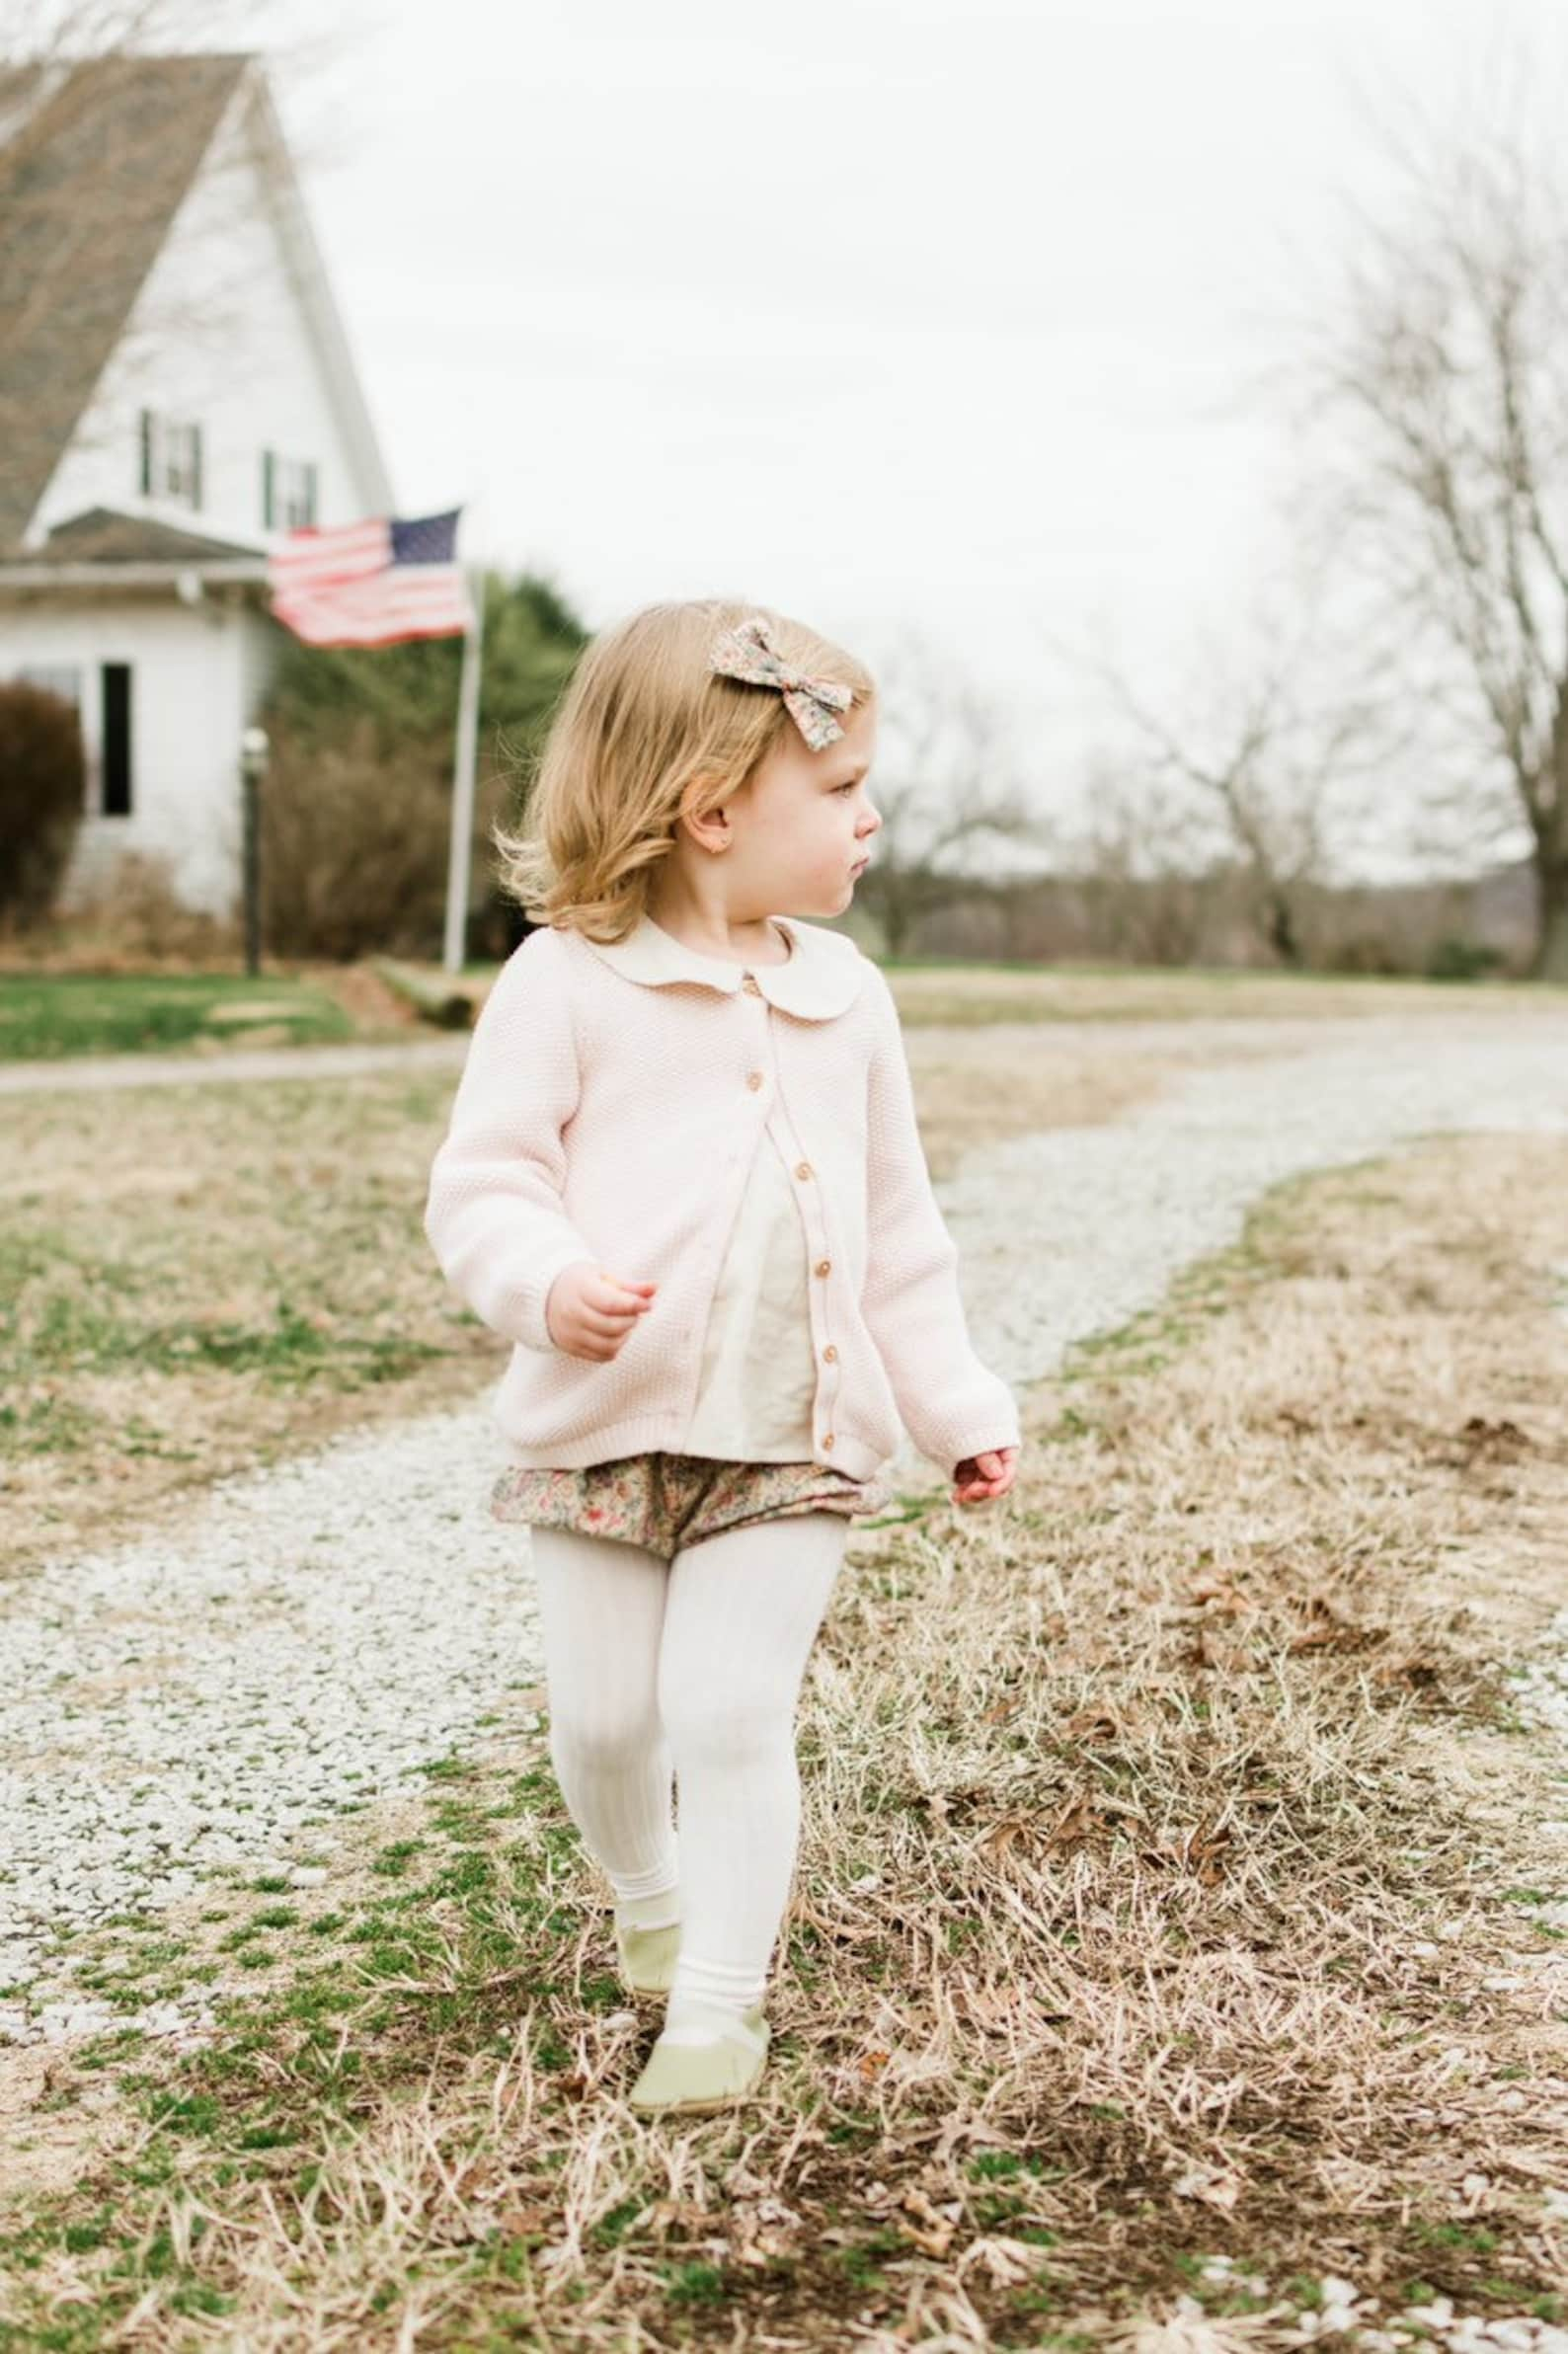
column 758, row 1382
column 758, row 1389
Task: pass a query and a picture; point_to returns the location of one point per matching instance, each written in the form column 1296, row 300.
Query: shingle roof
column 93, row 166
column 102, row 535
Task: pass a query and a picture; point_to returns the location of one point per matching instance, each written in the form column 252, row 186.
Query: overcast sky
column 885, row 312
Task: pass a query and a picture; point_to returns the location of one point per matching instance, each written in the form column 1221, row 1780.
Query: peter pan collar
column 820, row 978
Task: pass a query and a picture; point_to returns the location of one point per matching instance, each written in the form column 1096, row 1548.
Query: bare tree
column 946, row 785
column 97, row 140
column 1268, row 753
column 1141, row 863
column 1441, row 370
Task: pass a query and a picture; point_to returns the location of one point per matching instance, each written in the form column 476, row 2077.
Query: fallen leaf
column 1001, row 1836
column 1073, row 1827
column 1213, row 2188
column 1090, row 1723
column 1008, row 2261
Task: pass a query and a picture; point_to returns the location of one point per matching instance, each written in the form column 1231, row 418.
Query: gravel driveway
column 310, row 1635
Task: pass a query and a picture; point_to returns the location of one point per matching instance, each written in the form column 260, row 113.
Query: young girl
column 683, row 1177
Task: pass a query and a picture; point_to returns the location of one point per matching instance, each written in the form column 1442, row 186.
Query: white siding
column 218, row 335
column 196, row 676
column 234, row 330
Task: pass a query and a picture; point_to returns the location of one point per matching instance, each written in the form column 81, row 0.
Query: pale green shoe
column 704, row 2075
column 647, row 1956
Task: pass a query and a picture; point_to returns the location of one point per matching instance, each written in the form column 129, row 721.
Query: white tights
column 690, row 1671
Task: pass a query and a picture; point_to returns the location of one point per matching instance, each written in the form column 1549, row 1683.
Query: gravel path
column 310, row 1635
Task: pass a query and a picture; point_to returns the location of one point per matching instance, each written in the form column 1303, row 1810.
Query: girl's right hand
column 588, row 1313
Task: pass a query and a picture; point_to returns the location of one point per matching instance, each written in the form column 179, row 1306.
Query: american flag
column 377, row 583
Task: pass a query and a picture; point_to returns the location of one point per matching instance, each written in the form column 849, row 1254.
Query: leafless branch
column 1438, row 378
column 947, row 784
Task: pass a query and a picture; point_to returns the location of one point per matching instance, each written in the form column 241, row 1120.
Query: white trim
column 131, row 576
column 303, row 259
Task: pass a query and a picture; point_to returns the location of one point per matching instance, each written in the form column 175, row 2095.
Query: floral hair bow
column 745, row 653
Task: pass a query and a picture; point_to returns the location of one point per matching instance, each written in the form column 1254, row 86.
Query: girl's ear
column 709, row 828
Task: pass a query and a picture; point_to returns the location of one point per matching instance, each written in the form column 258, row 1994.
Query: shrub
column 1458, row 959
column 42, row 781
column 1354, row 952
column 356, row 803
column 353, row 846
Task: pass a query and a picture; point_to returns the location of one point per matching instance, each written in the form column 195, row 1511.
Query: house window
column 115, row 739
column 288, row 492
column 62, row 680
column 171, row 458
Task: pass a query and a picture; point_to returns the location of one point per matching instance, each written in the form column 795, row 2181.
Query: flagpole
column 459, row 862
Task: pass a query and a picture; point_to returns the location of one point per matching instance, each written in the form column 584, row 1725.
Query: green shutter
column 266, row 490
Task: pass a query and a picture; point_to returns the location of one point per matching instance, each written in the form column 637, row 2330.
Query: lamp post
column 253, row 750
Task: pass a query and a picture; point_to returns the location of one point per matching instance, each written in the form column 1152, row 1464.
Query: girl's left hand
column 978, row 1477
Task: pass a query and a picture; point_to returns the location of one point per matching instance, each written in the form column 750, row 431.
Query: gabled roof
column 94, row 164
column 102, row 535
column 95, row 161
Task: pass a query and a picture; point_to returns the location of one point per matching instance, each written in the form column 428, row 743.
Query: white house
column 170, row 405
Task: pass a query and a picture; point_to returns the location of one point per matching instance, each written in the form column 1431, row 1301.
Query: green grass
column 51, row 1016
column 66, row 1312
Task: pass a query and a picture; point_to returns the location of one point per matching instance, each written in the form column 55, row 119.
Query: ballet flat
column 701, row 2077
column 647, row 1956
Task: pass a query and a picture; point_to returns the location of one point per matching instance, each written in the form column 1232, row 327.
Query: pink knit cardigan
column 609, row 1109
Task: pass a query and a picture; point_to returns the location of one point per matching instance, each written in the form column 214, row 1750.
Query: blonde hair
column 643, row 720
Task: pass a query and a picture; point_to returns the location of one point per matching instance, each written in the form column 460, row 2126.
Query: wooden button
column 830, row 1354
column 802, row 1168
column 827, row 1441
column 752, row 983
column 822, row 1266
column 754, row 1079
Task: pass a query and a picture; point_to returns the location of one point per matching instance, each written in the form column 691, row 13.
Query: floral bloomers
column 664, row 1501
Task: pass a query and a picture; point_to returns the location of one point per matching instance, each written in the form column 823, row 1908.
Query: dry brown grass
column 1122, row 993
column 199, row 1280
column 1165, row 1891
column 974, row 995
